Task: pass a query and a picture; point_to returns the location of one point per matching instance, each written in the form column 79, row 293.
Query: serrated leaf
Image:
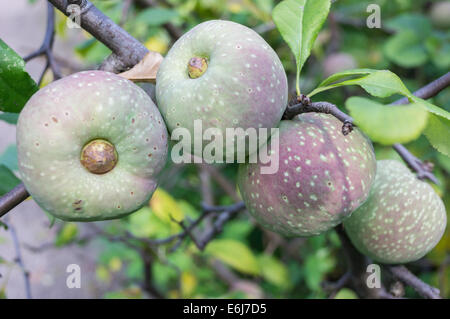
column 299, row 22
column 7, row 180
column 235, row 254
column 430, row 107
column 387, row 124
column 16, row 85
column 383, row 83
column 273, row 270
column 345, row 74
column 438, row 133
column 379, row 83
column 406, row 49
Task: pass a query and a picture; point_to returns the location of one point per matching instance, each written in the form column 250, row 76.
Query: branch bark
column 13, row 198
column 429, row 90
column 127, row 51
column 407, row 277
column 304, row 105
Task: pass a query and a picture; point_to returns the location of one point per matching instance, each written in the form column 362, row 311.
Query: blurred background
column 244, row 260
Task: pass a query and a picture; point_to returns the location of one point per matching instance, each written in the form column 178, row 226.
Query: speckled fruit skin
column 402, row 220
column 323, row 176
column 244, row 85
column 65, row 115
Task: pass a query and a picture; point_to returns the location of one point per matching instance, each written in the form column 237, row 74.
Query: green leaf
column 299, row 22
column 406, row 49
column 316, row 266
column 16, row 85
column 273, row 270
column 387, row 124
column 235, row 254
column 9, row 158
column 345, row 74
column 346, row 293
column 10, row 118
column 438, row 133
column 144, row 223
column 7, row 180
column 383, row 83
column 92, row 51
column 438, row 46
column 444, row 161
column 156, row 16
column 379, row 83
column 415, row 22
column 67, row 234
column 429, row 106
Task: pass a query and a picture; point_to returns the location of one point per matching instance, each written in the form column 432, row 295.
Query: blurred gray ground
column 22, row 27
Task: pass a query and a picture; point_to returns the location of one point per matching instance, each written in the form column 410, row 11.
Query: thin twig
column 217, row 227
column 404, row 275
column 19, row 260
column 422, row 169
column 303, row 104
column 429, row 90
column 46, row 46
column 226, row 213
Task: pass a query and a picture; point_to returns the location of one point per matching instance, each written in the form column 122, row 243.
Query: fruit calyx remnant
column 197, row 66
column 99, row 156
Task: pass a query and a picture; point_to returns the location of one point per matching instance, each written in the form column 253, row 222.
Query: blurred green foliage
column 264, row 264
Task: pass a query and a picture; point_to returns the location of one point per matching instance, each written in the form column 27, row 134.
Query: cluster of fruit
column 90, row 147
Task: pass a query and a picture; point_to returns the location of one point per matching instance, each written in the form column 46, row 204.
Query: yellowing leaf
column 145, row 70
column 144, row 223
column 235, row 254
column 188, row 284
column 235, row 7
column 115, row 264
column 68, row 233
column 157, row 44
column 166, row 208
column 346, row 293
column 47, row 79
column 103, row 273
